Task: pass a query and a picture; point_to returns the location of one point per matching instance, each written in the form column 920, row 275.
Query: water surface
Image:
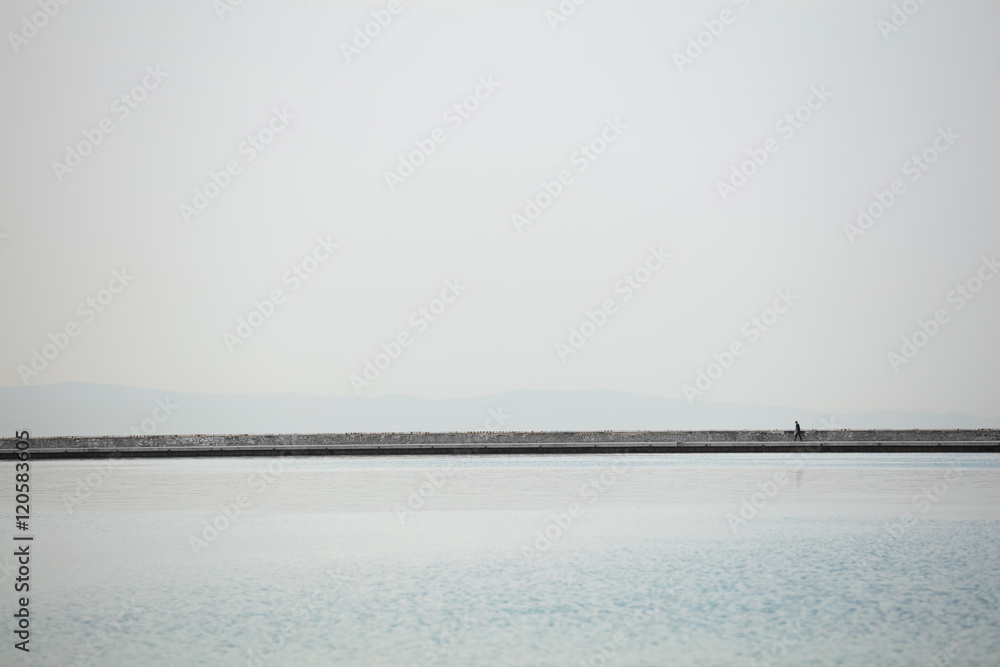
column 839, row 559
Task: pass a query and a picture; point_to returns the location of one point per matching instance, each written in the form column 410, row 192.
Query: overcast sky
column 332, row 113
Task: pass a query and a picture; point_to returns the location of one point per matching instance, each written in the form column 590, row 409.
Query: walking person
column 798, row 431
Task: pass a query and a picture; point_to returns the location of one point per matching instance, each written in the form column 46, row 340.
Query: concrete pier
column 492, row 443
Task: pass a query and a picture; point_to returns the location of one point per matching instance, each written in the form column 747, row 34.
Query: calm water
column 652, row 559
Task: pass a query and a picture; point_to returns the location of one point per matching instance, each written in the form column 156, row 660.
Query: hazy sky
column 330, row 121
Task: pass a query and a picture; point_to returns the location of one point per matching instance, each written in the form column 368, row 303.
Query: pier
column 509, row 443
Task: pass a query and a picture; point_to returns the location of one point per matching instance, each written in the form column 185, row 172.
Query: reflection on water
column 536, row 560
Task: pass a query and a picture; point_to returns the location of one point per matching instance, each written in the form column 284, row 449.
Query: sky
column 484, row 196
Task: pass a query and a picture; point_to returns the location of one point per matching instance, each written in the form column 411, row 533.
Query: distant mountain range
column 91, row 409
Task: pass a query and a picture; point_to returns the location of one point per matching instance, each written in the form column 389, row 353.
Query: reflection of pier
column 601, row 442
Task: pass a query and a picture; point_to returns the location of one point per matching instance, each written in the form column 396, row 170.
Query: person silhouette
column 798, row 431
